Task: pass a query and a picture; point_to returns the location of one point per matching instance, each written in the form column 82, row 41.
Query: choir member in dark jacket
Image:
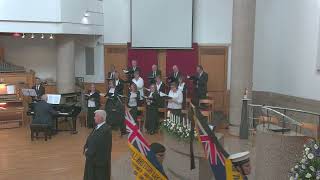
column 115, row 109
column 153, row 74
column 152, row 117
column 133, row 99
column 130, row 71
column 174, row 76
column 39, row 88
column 161, row 89
column 200, row 81
column 93, row 104
column 97, row 150
column 119, row 83
column 112, row 72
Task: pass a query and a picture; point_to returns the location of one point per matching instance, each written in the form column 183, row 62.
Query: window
column 89, row 53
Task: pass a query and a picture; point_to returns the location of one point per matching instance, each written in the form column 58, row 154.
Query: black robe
column 115, row 112
column 134, row 109
column 98, row 154
column 162, row 89
column 152, row 115
column 119, row 87
column 90, row 114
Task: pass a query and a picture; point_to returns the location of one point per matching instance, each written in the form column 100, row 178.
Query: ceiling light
column 51, row 36
column 16, row 34
column 87, row 14
column 23, row 36
column 32, row 36
column 42, row 36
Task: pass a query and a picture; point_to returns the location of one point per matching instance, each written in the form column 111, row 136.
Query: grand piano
column 67, row 111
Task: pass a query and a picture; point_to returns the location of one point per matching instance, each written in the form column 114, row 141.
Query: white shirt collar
column 99, row 125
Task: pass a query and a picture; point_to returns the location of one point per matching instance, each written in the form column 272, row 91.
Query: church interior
column 161, row 89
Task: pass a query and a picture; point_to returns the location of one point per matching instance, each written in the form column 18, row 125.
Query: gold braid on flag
column 143, row 169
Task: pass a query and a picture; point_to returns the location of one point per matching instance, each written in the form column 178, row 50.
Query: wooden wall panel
column 214, row 61
column 1, row 54
column 162, row 61
column 116, row 55
column 215, row 66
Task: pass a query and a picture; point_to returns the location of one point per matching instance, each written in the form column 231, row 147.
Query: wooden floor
column 57, row 159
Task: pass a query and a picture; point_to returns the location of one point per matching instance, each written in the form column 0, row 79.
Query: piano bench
column 37, row 128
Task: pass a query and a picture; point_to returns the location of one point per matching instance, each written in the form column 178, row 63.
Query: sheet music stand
column 29, row 92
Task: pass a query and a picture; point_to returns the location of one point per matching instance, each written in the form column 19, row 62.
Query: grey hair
column 102, row 113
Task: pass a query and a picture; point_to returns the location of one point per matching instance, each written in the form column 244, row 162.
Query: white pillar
column 243, row 25
column 65, row 65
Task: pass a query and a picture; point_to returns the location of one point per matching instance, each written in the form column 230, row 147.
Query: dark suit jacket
column 130, row 73
column 98, row 154
column 95, row 97
column 119, row 87
column 162, row 88
column 43, row 113
column 154, row 101
column 41, row 90
column 109, row 75
column 131, row 70
column 172, row 78
column 200, row 84
column 152, row 77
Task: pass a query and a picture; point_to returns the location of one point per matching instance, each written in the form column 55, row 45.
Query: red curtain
column 145, row 59
column 186, row 60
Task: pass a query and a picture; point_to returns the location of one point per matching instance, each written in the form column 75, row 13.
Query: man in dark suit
column 174, row 76
column 200, row 81
column 130, row 71
column 39, row 88
column 98, row 150
column 153, row 74
column 43, row 112
column 111, row 73
column 119, row 83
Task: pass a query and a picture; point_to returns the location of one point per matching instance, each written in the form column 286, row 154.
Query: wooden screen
column 214, row 62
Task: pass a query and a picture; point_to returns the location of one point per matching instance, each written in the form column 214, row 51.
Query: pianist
column 43, row 112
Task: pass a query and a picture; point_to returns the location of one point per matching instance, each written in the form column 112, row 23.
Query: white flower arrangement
column 309, row 166
column 178, row 127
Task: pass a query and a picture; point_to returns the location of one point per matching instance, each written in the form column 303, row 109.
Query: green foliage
column 309, row 166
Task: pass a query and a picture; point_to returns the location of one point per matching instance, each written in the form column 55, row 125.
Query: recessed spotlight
column 51, row 36
column 23, row 36
column 87, row 14
column 32, row 36
column 42, row 36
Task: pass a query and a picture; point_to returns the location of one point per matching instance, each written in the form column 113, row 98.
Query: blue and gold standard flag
column 220, row 165
column 144, row 162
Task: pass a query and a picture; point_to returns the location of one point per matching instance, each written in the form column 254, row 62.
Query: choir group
column 153, row 97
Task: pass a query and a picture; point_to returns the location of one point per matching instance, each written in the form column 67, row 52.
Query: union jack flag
column 216, row 155
column 135, row 137
column 144, row 162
